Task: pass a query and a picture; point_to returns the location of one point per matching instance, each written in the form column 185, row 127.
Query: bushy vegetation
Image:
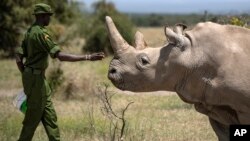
column 16, row 17
column 97, row 38
column 12, row 20
column 236, row 21
column 156, row 20
column 240, row 21
column 55, row 77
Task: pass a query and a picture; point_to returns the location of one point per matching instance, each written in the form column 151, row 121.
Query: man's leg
column 30, row 123
column 49, row 120
column 34, row 111
column 35, row 97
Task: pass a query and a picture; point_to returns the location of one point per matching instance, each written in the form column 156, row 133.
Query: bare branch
column 107, row 110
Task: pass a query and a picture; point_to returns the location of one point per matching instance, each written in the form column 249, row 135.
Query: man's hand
column 97, row 56
column 19, row 62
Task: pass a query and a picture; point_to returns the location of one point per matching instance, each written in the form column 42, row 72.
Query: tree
column 12, row 20
column 15, row 17
column 97, row 38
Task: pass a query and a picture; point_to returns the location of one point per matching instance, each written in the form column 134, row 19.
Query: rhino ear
column 172, row 36
column 139, row 41
column 179, row 28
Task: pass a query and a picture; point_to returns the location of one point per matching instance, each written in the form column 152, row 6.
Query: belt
column 34, row 71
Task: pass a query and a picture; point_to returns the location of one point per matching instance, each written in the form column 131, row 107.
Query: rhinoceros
column 207, row 66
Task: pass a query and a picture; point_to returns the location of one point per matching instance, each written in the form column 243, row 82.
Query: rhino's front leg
column 221, row 130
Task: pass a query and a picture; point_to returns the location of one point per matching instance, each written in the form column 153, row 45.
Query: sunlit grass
column 149, row 118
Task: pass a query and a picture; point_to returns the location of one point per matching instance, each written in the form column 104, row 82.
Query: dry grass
column 153, row 116
column 154, row 36
column 149, row 118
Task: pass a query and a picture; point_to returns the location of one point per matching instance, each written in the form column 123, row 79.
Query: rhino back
column 227, row 49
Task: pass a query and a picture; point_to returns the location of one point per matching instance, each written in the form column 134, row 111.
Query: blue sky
column 179, row 6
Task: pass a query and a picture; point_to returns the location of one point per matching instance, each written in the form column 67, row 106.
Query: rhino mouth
column 117, row 81
column 120, row 86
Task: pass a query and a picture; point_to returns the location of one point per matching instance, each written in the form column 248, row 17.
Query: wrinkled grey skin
column 208, row 66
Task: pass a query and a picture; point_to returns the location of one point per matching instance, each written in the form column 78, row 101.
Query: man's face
column 46, row 19
column 43, row 19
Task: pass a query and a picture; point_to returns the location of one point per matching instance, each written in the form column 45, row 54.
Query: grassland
column 152, row 116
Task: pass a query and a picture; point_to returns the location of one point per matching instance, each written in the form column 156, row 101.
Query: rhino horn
column 139, row 41
column 117, row 42
column 173, row 37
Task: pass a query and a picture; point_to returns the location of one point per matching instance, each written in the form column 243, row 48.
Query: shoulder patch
column 46, row 37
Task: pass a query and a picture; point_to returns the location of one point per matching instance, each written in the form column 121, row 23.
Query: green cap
column 42, row 8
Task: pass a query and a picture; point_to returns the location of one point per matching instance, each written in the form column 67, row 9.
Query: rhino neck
column 195, row 82
column 185, row 67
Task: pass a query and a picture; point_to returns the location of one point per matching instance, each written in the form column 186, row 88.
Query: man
column 36, row 47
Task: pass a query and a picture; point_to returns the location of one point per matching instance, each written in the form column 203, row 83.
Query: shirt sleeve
column 21, row 50
column 51, row 47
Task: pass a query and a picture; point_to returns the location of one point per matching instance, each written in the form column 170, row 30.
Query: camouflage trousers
column 39, row 107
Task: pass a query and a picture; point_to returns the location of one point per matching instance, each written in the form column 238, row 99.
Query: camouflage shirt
column 37, row 46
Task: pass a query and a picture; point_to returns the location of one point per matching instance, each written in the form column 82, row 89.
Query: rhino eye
column 144, row 60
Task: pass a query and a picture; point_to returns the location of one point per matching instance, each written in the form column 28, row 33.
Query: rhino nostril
column 112, row 71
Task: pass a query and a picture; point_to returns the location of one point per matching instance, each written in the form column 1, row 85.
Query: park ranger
column 36, row 47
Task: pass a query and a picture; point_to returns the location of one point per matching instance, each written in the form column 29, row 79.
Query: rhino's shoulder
column 204, row 26
column 218, row 28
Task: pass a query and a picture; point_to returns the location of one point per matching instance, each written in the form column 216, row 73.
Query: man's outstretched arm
column 73, row 58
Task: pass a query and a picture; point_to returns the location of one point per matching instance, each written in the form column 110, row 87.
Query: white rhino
column 208, row 66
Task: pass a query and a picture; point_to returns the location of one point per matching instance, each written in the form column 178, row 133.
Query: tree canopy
column 97, row 38
column 16, row 16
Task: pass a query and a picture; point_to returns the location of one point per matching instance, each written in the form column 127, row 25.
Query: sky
column 178, row 6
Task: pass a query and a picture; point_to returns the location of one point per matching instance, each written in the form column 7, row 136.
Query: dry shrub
column 57, row 30
column 70, row 90
column 55, row 76
column 158, row 39
column 79, row 87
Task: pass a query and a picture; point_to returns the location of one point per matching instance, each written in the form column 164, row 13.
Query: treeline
column 71, row 20
column 154, row 20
